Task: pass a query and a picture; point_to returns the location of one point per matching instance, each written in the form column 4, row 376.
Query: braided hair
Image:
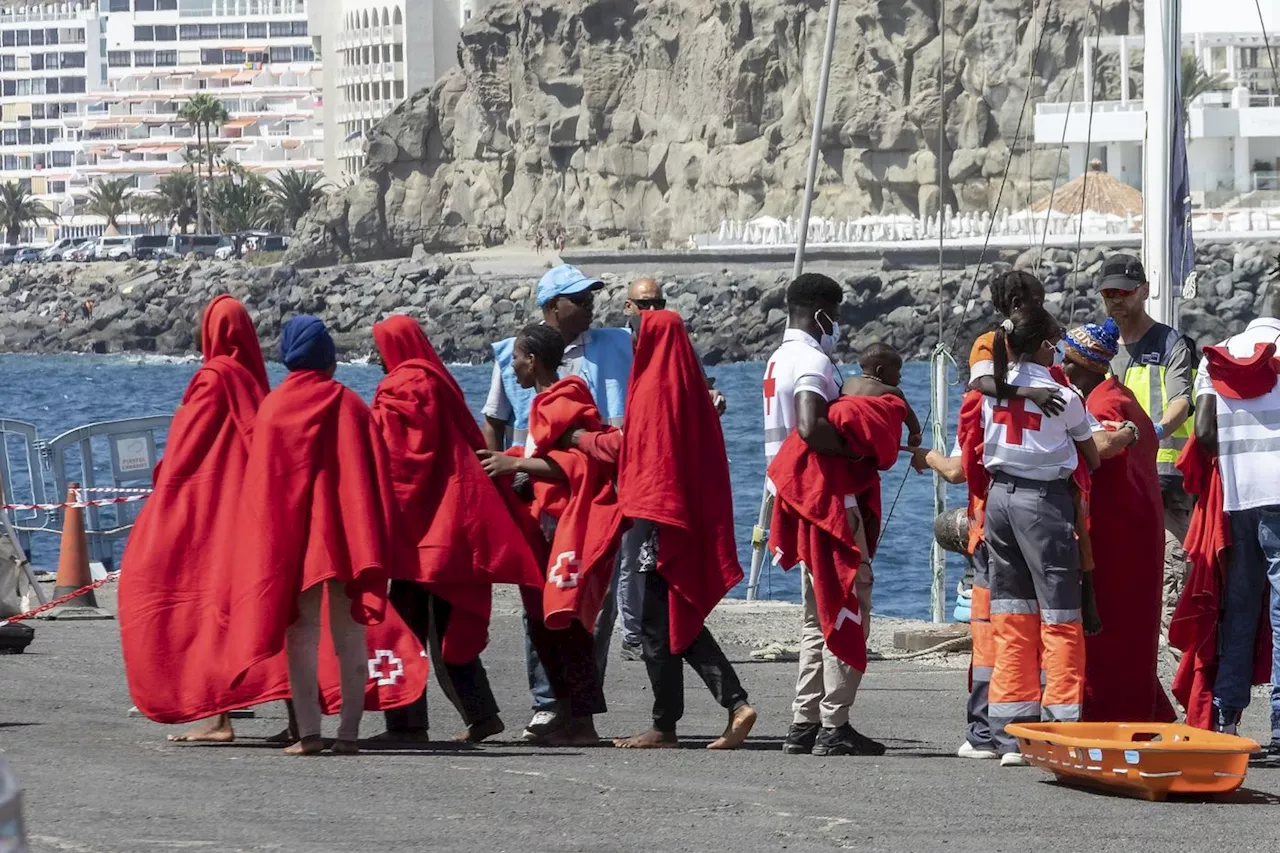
column 1022, row 334
column 1016, row 289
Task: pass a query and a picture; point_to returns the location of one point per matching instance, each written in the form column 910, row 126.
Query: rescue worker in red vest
column 1238, row 420
column 1155, row 362
column 1034, row 560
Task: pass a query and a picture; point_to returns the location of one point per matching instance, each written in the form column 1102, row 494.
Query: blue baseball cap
column 564, row 280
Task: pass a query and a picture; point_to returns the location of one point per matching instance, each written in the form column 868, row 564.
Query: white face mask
column 1059, row 353
column 828, row 340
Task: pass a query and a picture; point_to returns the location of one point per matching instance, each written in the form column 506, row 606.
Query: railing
column 1268, row 181
column 1264, row 100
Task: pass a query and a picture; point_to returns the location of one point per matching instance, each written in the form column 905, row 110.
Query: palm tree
column 293, row 192
column 110, row 200
column 202, row 112
column 239, row 202
column 18, row 209
column 1196, row 81
column 174, row 201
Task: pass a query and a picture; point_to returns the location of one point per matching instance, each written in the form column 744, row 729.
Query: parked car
column 59, row 250
column 113, row 249
column 203, row 246
column 27, row 255
column 150, row 246
column 7, row 254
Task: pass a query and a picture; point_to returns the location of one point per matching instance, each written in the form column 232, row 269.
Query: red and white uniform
column 799, row 364
column 1019, row 439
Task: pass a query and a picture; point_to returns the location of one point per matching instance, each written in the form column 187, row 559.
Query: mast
column 1161, row 69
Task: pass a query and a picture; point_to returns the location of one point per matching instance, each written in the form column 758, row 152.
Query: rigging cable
column 1084, row 186
column 1062, row 144
column 1266, row 41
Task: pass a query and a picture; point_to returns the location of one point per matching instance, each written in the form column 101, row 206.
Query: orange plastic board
column 1147, row 760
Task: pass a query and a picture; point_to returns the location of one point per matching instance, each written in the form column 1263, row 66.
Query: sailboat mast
column 1161, row 68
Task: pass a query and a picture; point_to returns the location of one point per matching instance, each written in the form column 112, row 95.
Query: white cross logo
column 564, row 573
column 845, row 615
column 394, row 667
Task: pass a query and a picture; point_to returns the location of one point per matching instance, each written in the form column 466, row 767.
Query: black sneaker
column 800, row 738
column 1269, row 757
column 846, row 740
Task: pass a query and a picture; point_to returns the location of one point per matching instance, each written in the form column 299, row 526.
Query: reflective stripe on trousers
column 1034, row 565
column 978, row 728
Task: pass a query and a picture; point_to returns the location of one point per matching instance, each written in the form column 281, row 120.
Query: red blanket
column 450, row 513
column 674, row 472
column 810, row 524
column 1194, row 629
column 1126, row 524
column 589, row 521
column 316, row 505
column 177, row 580
column 971, row 436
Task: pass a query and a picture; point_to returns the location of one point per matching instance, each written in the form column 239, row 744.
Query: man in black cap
column 1156, row 363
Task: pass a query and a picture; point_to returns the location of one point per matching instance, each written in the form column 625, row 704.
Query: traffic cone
column 73, row 566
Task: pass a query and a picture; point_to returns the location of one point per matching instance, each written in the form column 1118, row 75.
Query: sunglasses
column 585, row 299
column 1114, row 294
column 649, row 304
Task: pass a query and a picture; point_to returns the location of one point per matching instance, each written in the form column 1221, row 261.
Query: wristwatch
column 1133, row 428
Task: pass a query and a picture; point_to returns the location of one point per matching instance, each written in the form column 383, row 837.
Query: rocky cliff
column 654, row 120
column 734, row 313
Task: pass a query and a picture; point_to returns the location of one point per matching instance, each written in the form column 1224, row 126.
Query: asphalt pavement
column 99, row 781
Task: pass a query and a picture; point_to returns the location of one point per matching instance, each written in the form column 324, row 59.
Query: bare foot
column 478, row 732
column 345, row 747
column 740, row 723
column 652, row 739
column 213, row 730
column 307, row 746
column 580, row 731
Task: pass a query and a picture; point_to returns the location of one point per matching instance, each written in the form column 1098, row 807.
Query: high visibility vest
column 1147, row 382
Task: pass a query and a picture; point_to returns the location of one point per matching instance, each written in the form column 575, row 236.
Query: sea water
column 57, row 393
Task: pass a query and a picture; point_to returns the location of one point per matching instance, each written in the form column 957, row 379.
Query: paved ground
column 100, row 782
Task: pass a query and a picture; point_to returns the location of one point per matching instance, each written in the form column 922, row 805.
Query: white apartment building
column 1233, row 146
column 110, row 109
column 375, row 54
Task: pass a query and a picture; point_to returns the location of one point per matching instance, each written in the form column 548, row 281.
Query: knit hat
column 1093, row 346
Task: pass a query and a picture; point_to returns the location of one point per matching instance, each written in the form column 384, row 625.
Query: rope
column 1026, row 99
column 1266, row 41
column 955, row 643
column 1062, row 146
column 63, row 599
column 1084, row 186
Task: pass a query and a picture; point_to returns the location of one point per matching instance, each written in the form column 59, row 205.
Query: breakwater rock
column 734, row 313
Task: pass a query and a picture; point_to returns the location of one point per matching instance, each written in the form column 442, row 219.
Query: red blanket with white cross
column 810, row 525
column 585, row 505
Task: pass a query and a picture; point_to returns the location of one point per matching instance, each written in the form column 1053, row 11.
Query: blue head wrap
column 305, row 344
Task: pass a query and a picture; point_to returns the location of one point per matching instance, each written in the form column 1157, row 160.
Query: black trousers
column 568, row 655
column 466, row 685
column 666, row 670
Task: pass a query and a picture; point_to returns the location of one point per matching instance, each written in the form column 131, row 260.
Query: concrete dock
column 98, row 781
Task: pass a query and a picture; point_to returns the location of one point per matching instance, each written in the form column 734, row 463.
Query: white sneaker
column 1014, row 759
column 543, row 724
column 968, row 750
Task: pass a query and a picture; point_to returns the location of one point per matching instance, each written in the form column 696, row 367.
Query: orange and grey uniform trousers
column 978, row 729
column 1034, row 565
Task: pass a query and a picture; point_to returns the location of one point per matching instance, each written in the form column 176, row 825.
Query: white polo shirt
column 1021, row 440
column 799, row 364
column 1248, row 430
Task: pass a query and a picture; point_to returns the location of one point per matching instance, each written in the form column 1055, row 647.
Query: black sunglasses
column 583, row 299
column 649, row 304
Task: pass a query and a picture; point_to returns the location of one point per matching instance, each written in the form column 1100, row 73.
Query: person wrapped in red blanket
column 176, row 590
column 455, row 521
column 576, row 505
column 827, row 513
column 673, row 485
column 1126, row 526
column 316, row 511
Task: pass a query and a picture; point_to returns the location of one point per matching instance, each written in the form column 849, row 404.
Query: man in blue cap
column 602, row 357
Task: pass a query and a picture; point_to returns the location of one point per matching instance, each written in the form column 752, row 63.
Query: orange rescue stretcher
column 1146, row 760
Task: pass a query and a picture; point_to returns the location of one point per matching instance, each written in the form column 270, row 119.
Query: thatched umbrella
column 1093, row 192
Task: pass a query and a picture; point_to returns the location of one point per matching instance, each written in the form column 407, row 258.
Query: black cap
column 1121, row 272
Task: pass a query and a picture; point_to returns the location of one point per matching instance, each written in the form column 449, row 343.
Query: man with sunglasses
column 602, row 357
column 1156, row 363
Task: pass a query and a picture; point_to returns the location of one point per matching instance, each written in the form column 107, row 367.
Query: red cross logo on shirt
column 385, row 667
column 564, row 573
column 1016, row 418
column 770, row 388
